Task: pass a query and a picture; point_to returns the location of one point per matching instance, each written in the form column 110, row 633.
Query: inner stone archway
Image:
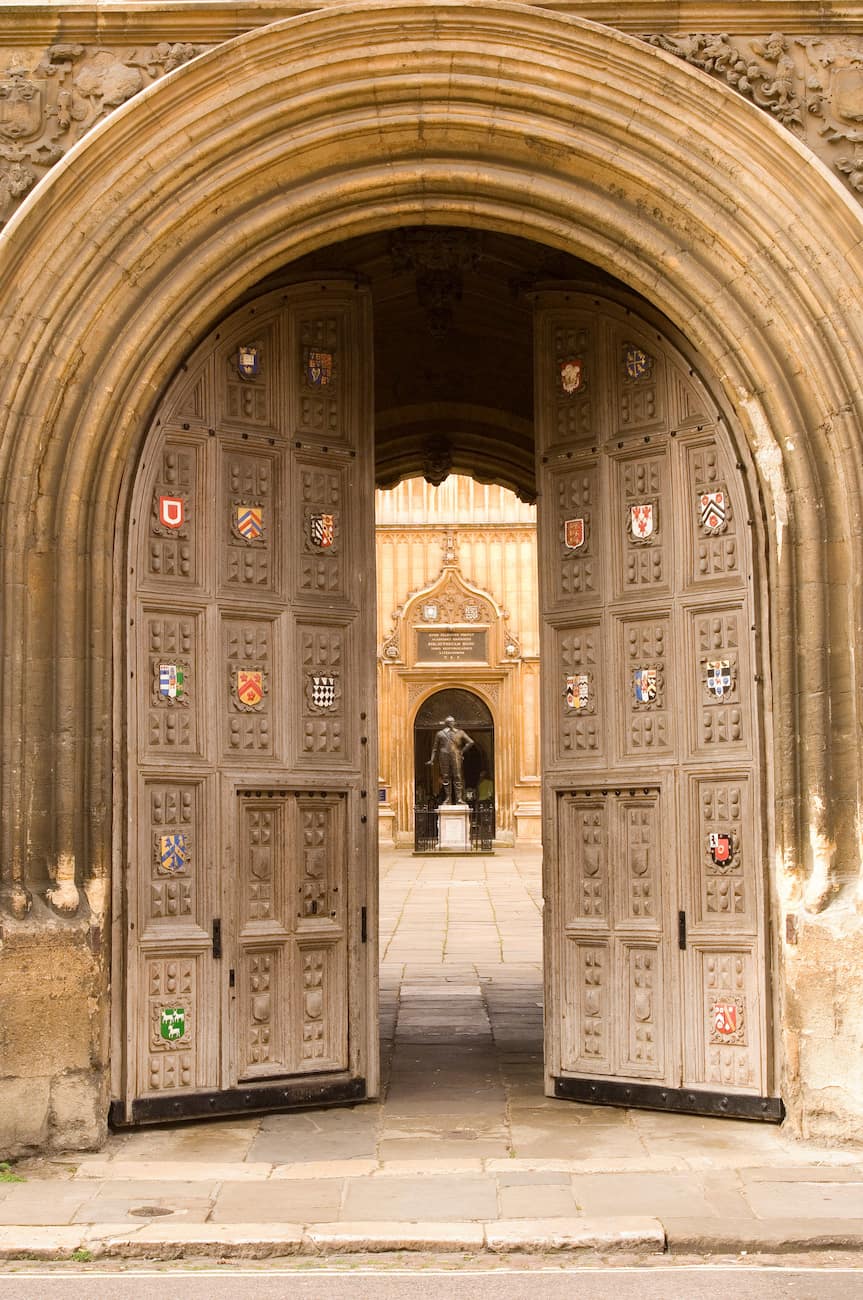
column 615, row 147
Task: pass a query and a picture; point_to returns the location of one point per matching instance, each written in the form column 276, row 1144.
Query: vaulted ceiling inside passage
column 453, row 346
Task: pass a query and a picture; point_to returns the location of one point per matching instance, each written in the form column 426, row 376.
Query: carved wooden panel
column 575, row 566
column 263, row 886
column 247, row 379
column 579, row 705
column 574, row 381
column 638, row 381
column 713, row 537
column 250, row 688
column 321, row 376
column 643, row 1010
column 723, row 852
column 172, row 541
column 171, row 1049
column 726, row 1047
column 169, row 696
column 262, row 1002
column 585, row 859
column 588, row 985
column 719, row 665
column 251, row 523
column 320, row 977
column 319, row 684
column 190, row 405
column 174, row 824
column 321, row 525
column 642, row 525
column 646, row 716
column 320, row 887
column 639, row 860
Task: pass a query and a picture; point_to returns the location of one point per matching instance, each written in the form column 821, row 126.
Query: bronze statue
column 449, row 746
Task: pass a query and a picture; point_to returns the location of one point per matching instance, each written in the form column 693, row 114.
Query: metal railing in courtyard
column 427, row 827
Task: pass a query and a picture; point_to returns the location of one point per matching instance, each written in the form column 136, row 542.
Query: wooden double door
column 249, row 952
column 655, row 846
column 251, row 908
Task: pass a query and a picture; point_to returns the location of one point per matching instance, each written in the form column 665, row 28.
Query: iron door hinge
column 217, row 938
column 681, row 930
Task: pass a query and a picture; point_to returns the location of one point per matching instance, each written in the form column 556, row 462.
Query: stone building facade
column 605, row 255
column 458, row 610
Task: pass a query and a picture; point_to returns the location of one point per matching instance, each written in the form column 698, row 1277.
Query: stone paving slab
column 662, row 1195
column 428, row 1198
column 279, row 1202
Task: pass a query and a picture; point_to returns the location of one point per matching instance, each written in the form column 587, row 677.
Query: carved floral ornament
column 50, row 98
column 813, row 85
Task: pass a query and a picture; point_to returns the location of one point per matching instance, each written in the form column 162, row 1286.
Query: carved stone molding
column 813, row 85
column 50, row 98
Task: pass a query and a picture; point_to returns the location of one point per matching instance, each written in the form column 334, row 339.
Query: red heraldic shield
column 172, row 512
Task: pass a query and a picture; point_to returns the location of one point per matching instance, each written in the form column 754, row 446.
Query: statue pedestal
column 454, row 827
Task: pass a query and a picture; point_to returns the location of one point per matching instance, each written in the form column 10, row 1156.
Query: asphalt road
column 370, row 1282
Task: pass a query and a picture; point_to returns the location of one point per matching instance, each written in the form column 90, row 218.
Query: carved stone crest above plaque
column 813, row 85
column 50, row 98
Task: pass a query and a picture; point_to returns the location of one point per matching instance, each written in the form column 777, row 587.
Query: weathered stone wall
column 53, row 1080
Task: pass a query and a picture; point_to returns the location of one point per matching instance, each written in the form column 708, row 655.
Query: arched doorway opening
column 251, row 705
column 472, row 715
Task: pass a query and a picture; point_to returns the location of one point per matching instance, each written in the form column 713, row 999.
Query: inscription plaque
column 447, row 645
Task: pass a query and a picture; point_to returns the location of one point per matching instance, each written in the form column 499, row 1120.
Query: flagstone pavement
column 462, row 1140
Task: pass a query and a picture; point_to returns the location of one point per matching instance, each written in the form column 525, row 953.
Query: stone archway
column 330, row 124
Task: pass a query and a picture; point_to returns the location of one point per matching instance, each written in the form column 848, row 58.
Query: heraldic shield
column 249, row 687
column 250, row 522
column 574, row 533
column 172, row 512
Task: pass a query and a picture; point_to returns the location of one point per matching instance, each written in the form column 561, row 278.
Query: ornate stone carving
column 50, row 98
column 437, row 460
column 761, row 70
column 811, row 84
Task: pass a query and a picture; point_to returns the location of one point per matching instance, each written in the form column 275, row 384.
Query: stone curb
column 633, row 1236
column 776, row 1237
column 262, row 1241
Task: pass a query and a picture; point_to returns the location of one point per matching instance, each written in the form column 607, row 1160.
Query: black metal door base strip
column 238, row 1101
column 650, row 1096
